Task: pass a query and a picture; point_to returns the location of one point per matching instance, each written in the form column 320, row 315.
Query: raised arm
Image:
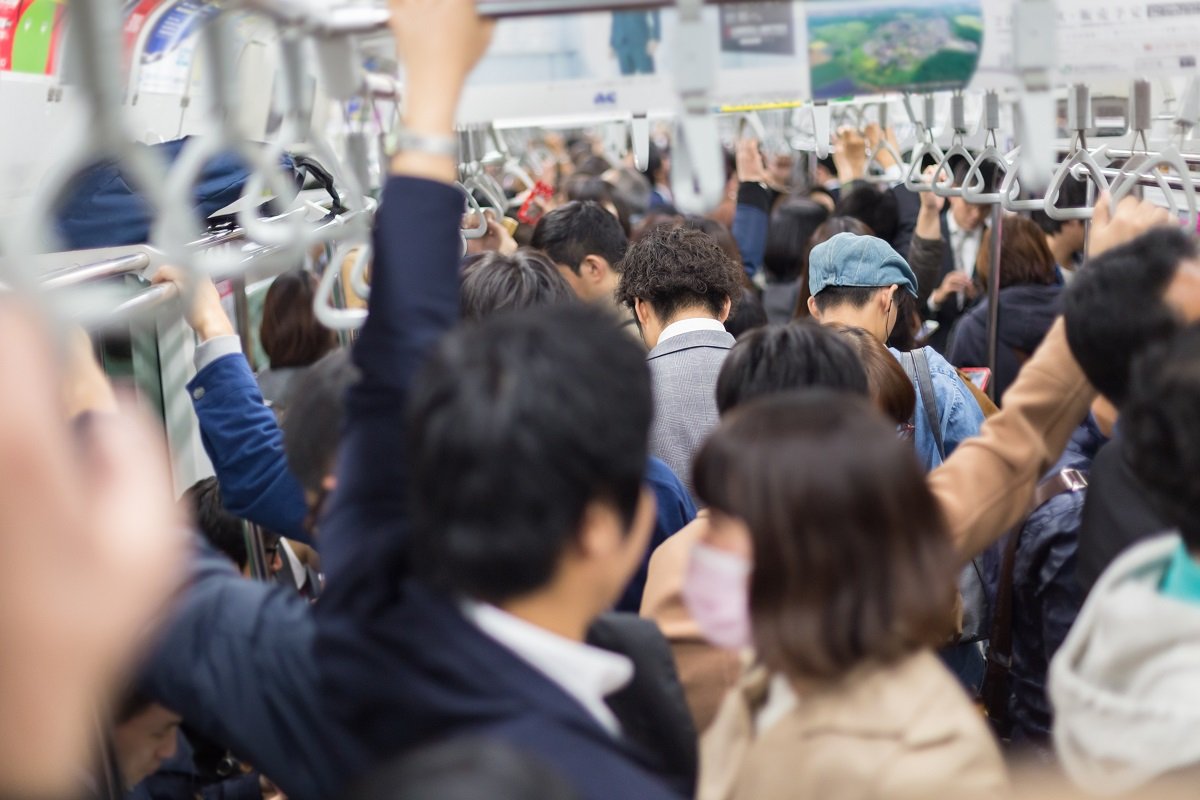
column 752, row 216
column 986, row 486
column 238, row 430
column 414, row 301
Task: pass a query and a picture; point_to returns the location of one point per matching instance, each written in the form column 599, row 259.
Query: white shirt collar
column 588, row 674
column 688, row 326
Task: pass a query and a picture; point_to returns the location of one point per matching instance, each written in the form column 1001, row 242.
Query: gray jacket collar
column 720, row 340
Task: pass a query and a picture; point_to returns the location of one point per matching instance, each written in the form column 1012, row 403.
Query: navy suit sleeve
column 414, row 302
column 751, row 219
column 236, row 661
column 244, row 443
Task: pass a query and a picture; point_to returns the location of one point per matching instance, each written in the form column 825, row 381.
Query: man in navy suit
column 634, row 40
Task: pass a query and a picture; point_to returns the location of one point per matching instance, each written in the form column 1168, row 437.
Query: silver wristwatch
column 402, row 140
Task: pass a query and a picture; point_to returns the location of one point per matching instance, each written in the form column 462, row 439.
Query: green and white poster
column 862, row 48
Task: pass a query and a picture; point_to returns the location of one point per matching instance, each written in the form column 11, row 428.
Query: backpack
column 102, row 210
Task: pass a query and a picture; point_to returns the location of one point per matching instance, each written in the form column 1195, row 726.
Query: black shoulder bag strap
column 995, row 690
column 917, row 367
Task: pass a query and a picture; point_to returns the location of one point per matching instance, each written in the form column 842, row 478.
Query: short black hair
column 1161, row 430
column 654, row 161
column 515, row 426
column 789, row 237
column 579, row 229
column 873, row 205
column 493, row 282
column 312, row 429
column 749, row 315
column 463, row 769
column 1073, row 194
column 225, row 532
column 782, row 358
column 852, row 296
column 1115, row 307
column 672, row 268
column 585, row 188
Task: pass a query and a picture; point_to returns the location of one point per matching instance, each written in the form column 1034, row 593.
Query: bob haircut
column 852, row 561
column 890, row 388
column 290, row 333
column 1025, row 258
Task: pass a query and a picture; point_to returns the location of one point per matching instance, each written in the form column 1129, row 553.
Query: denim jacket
column 959, row 414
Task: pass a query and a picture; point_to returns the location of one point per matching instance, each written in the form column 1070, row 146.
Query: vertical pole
column 241, row 310
column 994, row 298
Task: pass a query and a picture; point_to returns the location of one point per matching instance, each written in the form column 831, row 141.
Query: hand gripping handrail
column 973, row 183
column 885, row 146
column 480, row 230
column 957, row 150
column 341, row 319
column 94, row 65
column 927, row 147
column 1170, row 157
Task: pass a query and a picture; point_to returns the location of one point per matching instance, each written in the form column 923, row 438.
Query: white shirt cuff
column 214, row 348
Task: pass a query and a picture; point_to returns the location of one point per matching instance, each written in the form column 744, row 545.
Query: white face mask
column 716, row 592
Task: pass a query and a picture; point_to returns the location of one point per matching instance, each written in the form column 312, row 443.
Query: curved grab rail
column 972, row 188
column 1010, row 190
column 947, row 188
column 1170, row 157
column 912, row 180
column 885, row 146
column 326, row 311
column 1080, row 164
column 480, row 230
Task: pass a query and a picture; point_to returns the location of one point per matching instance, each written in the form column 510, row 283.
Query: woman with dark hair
column 826, row 231
column 291, row 336
column 788, row 240
column 1030, row 300
column 890, row 388
column 828, row 554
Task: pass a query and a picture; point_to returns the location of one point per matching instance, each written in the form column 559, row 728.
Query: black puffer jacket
column 1026, row 313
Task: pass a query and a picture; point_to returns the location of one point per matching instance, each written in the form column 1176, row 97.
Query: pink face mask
column 716, row 592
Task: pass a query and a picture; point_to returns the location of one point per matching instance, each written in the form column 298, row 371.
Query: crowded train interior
column 599, row 399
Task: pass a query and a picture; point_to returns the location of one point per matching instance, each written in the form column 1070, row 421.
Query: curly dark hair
column 672, row 268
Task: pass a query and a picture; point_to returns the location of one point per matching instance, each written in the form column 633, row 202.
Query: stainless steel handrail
column 109, row 268
column 144, row 302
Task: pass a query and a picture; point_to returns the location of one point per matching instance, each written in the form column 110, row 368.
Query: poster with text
column 857, row 48
column 170, row 47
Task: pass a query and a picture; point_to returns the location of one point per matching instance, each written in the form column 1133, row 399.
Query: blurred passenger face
column 969, row 216
column 144, row 742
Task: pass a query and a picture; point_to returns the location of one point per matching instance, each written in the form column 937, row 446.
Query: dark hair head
column 719, row 233
column 1073, row 194
column 852, row 296
column 571, row 233
column 783, row 358
column 506, row 450
column 1161, row 430
column 1115, row 307
column 789, row 236
column 1025, row 258
column 825, row 231
column 312, row 429
column 960, row 167
column 463, row 769
column 673, row 268
column 748, row 314
column 890, row 388
column 290, row 333
column 225, row 532
column 655, row 161
column 583, row 188
column 852, row 560
column 493, row 282
column 875, row 206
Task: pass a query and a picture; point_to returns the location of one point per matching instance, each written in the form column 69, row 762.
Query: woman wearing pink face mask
column 827, row 553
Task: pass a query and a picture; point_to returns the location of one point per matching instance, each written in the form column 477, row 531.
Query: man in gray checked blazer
column 681, row 287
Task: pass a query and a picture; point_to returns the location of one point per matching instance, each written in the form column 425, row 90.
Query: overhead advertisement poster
column 861, row 48
column 605, row 64
column 167, row 55
column 35, row 38
column 10, row 12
